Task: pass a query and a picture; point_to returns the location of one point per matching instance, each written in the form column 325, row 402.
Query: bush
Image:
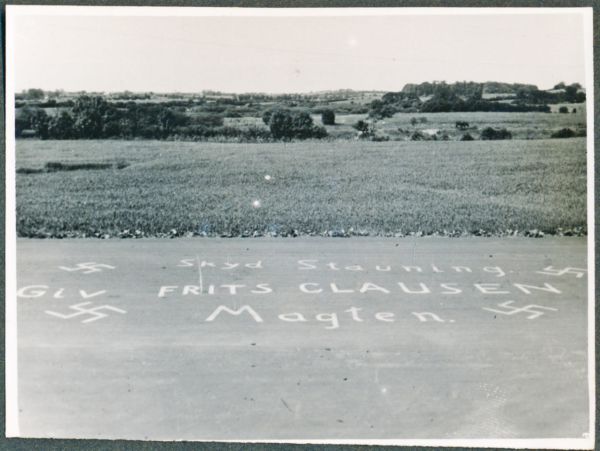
column 466, row 137
column 61, row 126
column 563, row 133
column 40, row 122
column 365, row 130
column 319, row 132
column 209, row 120
column 328, row 117
column 266, row 117
column 361, row 126
column 378, row 138
column 24, row 120
column 417, row 136
column 563, row 109
column 287, row 125
column 381, row 110
column 256, row 134
column 89, row 114
column 490, row 133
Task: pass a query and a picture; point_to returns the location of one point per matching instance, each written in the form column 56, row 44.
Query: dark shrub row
column 490, row 133
column 96, row 118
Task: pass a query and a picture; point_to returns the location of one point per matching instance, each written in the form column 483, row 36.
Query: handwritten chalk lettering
column 230, row 289
column 86, row 295
column 450, row 289
column 329, row 317
column 490, row 288
column 367, row 286
column 94, row 313
column 354, row 312
column 294, row 317
column 532, row 309
column 384, row 268
column 423, row 290
column 495, row 270
column 410, row 268
column 191, row 289
column 310, row 288
column 193, row 262
column 330, row 320
column 461, row 269
column 423, row 317
column 307, row 264
column 312, row 264
column 36, row 291
column 387, row 317
column 551, row 271
column 238, row 312
column 547, row 287
column 354, row 268
column 32, row 291
column 87, row 268
column 420, row 288
column 262, row 288
column 335, row 289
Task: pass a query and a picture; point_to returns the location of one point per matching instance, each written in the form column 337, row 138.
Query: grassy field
column 335, row 188
column 521, row 125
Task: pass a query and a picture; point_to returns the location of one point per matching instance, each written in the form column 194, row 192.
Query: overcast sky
column 293, row 54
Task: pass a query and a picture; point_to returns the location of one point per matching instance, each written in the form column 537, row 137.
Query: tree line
column 468, row 97
column 93, row 117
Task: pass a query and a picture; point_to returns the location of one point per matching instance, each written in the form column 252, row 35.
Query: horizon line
column 274, row 93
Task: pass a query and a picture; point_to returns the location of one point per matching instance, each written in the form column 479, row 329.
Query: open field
column 522, row 125
column 530, row 125
column 314, row 188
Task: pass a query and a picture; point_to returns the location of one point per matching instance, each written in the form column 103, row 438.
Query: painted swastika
column 87, row 268
column 509, row 309
column 550, row 271
column 95, row 313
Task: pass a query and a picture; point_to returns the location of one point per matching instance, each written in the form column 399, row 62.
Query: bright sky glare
column 293, row 54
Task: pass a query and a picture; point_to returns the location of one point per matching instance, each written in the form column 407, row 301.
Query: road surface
column 303, row 338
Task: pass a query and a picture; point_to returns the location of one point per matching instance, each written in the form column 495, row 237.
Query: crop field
column 153, row 188
column 522, row 125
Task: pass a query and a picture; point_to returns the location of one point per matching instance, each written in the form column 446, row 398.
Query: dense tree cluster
column 93, row 117
column 287, row 125
column 456, row 104
column 328, row 117
column 440, row 97
column 464, row 88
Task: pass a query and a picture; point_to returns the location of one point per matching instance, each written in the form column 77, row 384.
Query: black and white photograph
column 300, row 225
